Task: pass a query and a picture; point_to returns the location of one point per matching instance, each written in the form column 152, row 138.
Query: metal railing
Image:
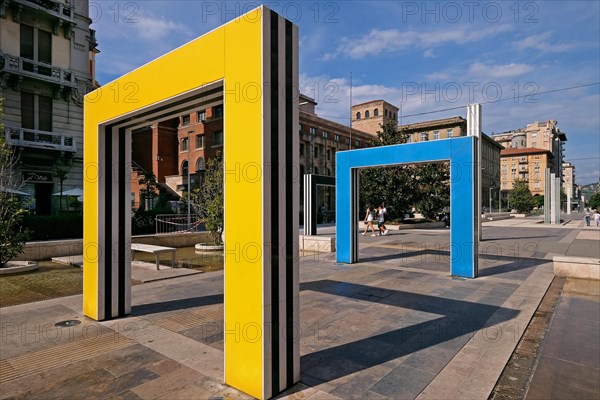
column 177, row 223
column 60, row 9
column 37, row 70
column 40, row 139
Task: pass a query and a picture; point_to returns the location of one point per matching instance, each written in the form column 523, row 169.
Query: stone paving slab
column 569, row 366
column 394, row 326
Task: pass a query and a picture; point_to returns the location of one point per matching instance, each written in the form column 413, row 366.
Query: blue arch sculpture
column 462, row 152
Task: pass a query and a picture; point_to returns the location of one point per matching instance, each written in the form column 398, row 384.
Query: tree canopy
column 520, row 197
column 424, row 186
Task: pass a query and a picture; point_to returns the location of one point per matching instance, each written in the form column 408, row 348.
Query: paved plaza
column 393, row 326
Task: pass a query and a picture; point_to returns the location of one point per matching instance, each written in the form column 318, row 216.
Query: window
column 328, row 154
column 301, row 149
column 313, row 131
column 347, row 140
column 201, row 116
column 217, row 138
column 409, row 139
column 385, row 113
column 184, row 144
column 36, row 45
column 316, row 151
column 185, row 120
column 300, row 128
column 200, row 164
column 36, row 112
column 325, row 135
column 533, row 144
column 316, row 170
column 357, row 143
column 367, row 114
column 200, row 141
column 336, row 137
column 376, row 112
column 424, row 137
column 436, row 135
column 218, row 111
column 450, row 131
column 328, row 172
column 184, row 167
column 358, row 115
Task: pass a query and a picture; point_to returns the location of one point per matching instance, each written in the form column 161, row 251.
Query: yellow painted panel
column 233, row 53
column 90, row 212
column 243, row 206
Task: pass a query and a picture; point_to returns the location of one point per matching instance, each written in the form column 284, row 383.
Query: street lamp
column 189, row 184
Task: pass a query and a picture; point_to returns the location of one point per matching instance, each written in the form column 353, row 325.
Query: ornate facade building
column 47, row 59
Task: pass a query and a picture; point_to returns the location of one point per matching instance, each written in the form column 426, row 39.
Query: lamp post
column 189, row 184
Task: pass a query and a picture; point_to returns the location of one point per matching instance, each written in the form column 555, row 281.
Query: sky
column 524, row 61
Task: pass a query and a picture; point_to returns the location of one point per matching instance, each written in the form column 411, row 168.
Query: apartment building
column 526, row 164
column 47, row 58
column 569, row 186
column 529, row 151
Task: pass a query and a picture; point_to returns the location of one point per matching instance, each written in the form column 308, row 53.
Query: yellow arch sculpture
column 253, row 60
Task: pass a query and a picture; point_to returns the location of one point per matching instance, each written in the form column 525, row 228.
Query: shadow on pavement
column 154, row 308
column 458, row 323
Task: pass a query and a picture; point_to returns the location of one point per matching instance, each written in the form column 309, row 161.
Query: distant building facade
column 47, row 61
column 569, row 186
column 526, row 164
column 434, row 130
column 163, row 149
column 529, row 151
column 369, row 116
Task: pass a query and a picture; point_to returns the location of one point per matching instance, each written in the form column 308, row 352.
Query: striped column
column 281, row 209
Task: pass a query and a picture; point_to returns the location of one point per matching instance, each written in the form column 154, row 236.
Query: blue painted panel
column 343, row 217
column 463, row 197
column 463, row 245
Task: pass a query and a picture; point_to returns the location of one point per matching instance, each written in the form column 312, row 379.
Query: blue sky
column 420, row 56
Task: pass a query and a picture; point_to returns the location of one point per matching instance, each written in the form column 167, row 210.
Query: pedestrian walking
column 369, row 216
column 597, row 218
column 587, row 216
column 381, row 220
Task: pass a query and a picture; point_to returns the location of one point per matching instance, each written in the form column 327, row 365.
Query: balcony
column 31, row 138
column 36, row 70
column 60, row 10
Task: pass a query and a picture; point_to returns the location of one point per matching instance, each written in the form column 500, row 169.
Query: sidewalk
column 395, row 325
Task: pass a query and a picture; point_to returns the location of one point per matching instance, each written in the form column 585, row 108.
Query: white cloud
column 379, row 41
column 540, row 42
column 154, row 28
column 499, row 71
column 429, row 54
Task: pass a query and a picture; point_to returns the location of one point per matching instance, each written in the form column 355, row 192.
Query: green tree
column 538, row 200
column 520, row 197
column 390, row 185
column 594, row 201
column 207, row 201
column 148, row 191
column 432, row 188
column 425, row 186
column 12, row 233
